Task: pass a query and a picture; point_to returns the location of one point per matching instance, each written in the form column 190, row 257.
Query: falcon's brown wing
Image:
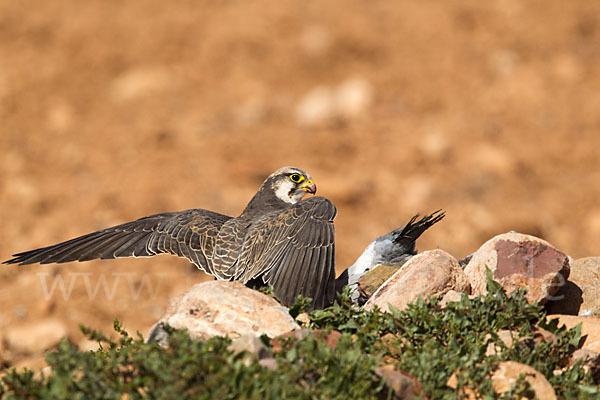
column 294, row 252
column 188, row 234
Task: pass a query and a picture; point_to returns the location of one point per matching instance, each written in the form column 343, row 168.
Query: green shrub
column 429, row 342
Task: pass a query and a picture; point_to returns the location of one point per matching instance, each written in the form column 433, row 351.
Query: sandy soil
column 111, row 111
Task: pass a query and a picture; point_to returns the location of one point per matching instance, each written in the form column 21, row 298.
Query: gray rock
column 218, row 308
column 519, row 261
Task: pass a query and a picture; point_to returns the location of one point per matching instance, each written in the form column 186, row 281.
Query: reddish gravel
column 114, row 110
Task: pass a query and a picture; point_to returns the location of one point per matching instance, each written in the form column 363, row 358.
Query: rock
column 590, row 361
column 218, row 308
column 403, row 385
column 35, row 363
column 590, row 329
column 269, row 362
column 390, row 342
column 330, row 338
column 353, row 97
column 505, row 376
column 303, row 319
column 519, row 261
column 324, row 104
column 88, row 345
column 316, row 107
column 315, row 40
column 506, row 336
column 508, row 372
column 250, row 343
column 581, row 293
column 452, row 296
column 567, row 300
column 509, row 337
column 432, row 273
column 541, row 335
column 372, row 280
column 34, row 337
column 465, row 392
column 140, row 82
column 44, row 372
column 5, row 355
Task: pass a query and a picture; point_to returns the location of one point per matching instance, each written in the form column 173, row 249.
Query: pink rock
column 34, row 337
column 218, row 308
column 519, row 261
column 508, row 372
column 403, row 385
column 590, row 329
column 432, row 273
column 505, row 376
column 452, row 296
column 581, row 293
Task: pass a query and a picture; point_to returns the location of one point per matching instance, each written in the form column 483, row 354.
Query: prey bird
column 396, row 246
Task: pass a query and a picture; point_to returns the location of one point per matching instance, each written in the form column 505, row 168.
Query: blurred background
column 113, row 110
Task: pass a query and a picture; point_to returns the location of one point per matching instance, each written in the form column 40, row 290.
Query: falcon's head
column 290, row 184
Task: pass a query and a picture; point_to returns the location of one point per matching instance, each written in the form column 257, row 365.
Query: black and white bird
column 395, row 247
column 278, row 240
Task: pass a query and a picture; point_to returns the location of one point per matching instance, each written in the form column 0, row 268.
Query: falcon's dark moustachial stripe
column 278, row 239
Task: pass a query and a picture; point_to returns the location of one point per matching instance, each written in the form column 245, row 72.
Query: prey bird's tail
column 406, row 236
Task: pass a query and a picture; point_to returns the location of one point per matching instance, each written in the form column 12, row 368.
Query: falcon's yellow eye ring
column 296, row 178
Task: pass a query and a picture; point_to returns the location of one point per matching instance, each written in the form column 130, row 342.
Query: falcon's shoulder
column 317, row 207
column 293, row 251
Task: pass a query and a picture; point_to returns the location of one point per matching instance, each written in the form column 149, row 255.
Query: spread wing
column 190, row 234
column 294, row 252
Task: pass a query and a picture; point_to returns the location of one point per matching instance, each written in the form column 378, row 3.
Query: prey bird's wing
column 190, row 234
column 294, row 252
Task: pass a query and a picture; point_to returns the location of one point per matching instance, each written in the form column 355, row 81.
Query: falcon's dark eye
column 296, row 178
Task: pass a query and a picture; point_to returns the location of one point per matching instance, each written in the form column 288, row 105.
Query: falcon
column 279, row 240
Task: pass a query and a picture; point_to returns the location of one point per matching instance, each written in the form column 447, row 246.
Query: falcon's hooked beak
column 309, row 187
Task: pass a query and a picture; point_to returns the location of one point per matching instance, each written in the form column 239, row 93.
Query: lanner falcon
column 278, row 240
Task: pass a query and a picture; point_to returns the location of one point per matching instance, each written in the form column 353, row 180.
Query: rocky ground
column 114, row 111
column 515, row 261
